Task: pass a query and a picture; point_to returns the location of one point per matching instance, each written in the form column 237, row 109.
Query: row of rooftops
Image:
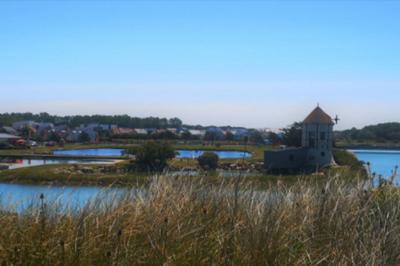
column 317, row 116
column 40, row 127
column 46, row 125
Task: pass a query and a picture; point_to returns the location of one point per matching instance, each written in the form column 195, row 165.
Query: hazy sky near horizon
column 245, row 63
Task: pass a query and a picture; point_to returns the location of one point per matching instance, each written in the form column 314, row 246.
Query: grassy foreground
column 190, row 222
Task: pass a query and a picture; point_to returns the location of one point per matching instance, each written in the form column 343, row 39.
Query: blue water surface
column 91, row 152
column 221, row 154
column 20, row 197
column 382, row 162
column 180, row 153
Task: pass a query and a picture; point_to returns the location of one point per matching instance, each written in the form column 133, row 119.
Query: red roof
column 122, row 131
column 318, row 116
column 20, row 141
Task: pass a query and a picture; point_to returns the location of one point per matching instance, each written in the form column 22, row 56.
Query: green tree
column 154, row 156
column 208, row 161
column 84, row 137
column 375, row 133
column 211, row 136
column 164, row 135
column 186, row 135
column 274, row 138
column 292, row 135
column 229, row 136
column 104, row 135
column 256, row 137
column 54, row 137
column 175, row 122
column 76, row 120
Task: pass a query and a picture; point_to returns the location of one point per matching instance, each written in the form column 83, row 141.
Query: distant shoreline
column 368, row 147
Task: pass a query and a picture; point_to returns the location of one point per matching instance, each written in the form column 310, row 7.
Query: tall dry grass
column 179, row 221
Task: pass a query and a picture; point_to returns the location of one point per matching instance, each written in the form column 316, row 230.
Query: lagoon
column 91, row 152
column 19, row 197
column 382, row 162
column 190, row 154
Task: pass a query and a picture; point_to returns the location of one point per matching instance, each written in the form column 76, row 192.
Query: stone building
column 316, row 149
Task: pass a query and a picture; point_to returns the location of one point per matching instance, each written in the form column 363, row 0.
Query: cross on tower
column 336, row 119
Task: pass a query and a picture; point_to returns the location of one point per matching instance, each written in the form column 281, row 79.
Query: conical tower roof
column 318, row 116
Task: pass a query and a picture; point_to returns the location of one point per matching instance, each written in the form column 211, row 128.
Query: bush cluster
column 208, row 161
column 153, row 156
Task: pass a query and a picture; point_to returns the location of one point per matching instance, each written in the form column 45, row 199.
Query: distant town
column 54, row 130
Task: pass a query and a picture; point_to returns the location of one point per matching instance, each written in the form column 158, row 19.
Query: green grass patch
column 67, row 174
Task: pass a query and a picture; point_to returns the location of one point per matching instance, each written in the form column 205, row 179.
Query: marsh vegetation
column 186, row 221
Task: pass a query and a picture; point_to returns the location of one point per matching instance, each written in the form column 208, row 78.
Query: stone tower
column 317, row 137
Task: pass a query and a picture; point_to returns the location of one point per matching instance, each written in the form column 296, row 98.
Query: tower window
column 311, row 139
column 312, row 143
column 323, row 154
column 322, row 135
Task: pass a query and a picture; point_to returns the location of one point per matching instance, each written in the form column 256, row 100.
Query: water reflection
column 19, row 163
column 382, row 162
column 91, row 152
column 21, row 197
column 221, row 154
column 181, row 153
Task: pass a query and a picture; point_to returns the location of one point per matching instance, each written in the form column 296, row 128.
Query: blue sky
column 249, row 63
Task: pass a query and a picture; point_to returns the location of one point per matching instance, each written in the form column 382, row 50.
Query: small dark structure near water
column 316, row 150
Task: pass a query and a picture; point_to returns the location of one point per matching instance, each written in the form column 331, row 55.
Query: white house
column 141, row 131
column 197, row 132
column 22, row 124
column 240, row 133
column 4, row 137
column 9, row 130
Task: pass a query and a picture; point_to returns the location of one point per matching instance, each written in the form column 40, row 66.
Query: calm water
column 19, row 163
column 181, row 153
column 91, row 152
column 382, row 162
column 221, row 154
column 20, row 197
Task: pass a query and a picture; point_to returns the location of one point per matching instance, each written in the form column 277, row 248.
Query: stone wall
column 294, row 158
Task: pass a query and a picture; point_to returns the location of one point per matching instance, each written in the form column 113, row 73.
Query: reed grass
column 181, row 221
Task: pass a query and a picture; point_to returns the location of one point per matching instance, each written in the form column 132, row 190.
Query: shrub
column 84, row 137
column 292, row 135
column 132, row 150
column 345, row 158
column 5, row 145
column 153, row 156
column 208, row 161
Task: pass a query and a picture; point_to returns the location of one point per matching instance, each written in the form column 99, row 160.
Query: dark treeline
column 376, row 133
column 7, row 119
column 385, row 132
